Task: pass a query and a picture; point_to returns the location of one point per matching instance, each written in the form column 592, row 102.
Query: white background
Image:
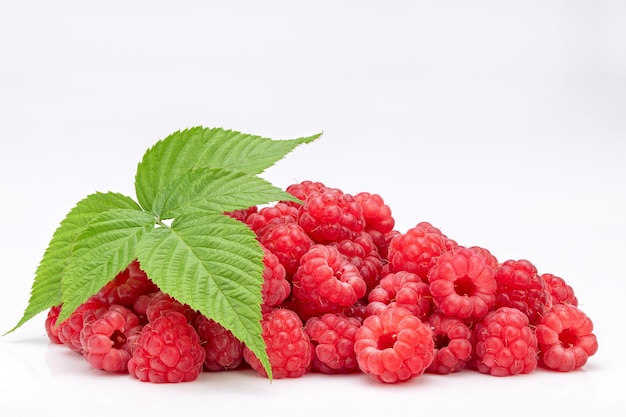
column 502, row 123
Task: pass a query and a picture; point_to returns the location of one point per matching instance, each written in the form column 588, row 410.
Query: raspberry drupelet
column 453, row 344
column 403, row 289
column 223, row 350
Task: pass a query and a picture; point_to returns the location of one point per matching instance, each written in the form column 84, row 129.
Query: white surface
column 502, row 123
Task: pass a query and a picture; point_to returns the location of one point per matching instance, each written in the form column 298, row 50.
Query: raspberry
column 559, row 290
column 404, row 289
column 275, row 287
column 363, row 253
column 505, row 343
column 223, row 350
column 416, row 250
column 278, row 213
column 301, row 190
column 453, row 346
column 462, row 284
column 287, row 345
column 333, row 336
column 108, row 342
column 383, row 243
column 160, row 303
column 69, row 330
column 330, row 215
column 168, row 351
column 325, row 274
column 242, row 214
column 50, row 325
column 376, row 213
column 394, row 346
column 288, row 242
column 520, row 286
column 126, row 286
column 565, row 337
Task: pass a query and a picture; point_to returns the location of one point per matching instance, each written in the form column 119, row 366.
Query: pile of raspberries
column 345, row 292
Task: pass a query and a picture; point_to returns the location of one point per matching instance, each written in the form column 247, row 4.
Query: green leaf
column 214, row 264
column 201, row 147
column 103, row 249
column 46, row 287
column 218, row 190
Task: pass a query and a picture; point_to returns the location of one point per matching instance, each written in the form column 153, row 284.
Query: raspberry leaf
column 46, row 287
column 218, row 190
column 214, row 264
column 200, row 147
column 104, row 248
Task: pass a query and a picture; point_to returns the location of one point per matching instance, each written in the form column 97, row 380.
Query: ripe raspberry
column 453, row 346
column 462, row 284
column 377, row 214
column 69, row 330
column 559, row 290
column 565, row 337
column 51, row 325
column 223, row 350
column 404, row 289
column 416, row 250
column 383, row 243
column 278, row 213
column 160, row 303
column 394, row 346
column 168, row 350
column 505, row 343
column 520, row 286
column 325, row 274
column 242, row 214
column 108, row 342
column 363, row 253
column 287, row 345
column 288, row 242
column 301, row 190
column 330, row 215
column 126, row 286
column 333, row 336
column 275, row 287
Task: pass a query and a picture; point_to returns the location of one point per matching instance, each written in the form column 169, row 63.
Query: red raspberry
column 223, row 350
column 330, row 215
column 108, row 342
column 278, row 213
column 363, row 253
column 566, row 339
column 416, row 250
column 126, row 286
column 168, row 350
column 242, row 214
column 383, row 243
column 377, row 214
column 394, row 346
column 275, row 287
column 51, row 325
column 69, row 330
column 463, row 284
column 325, row 274
column 288, row 242
column 505, row 343
column 559, row 290
column 404, row 289
column 453, row 344
column 287, row 345
column 333, row 336
column 520, row 286
column 301, row 190
column 160, row 303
